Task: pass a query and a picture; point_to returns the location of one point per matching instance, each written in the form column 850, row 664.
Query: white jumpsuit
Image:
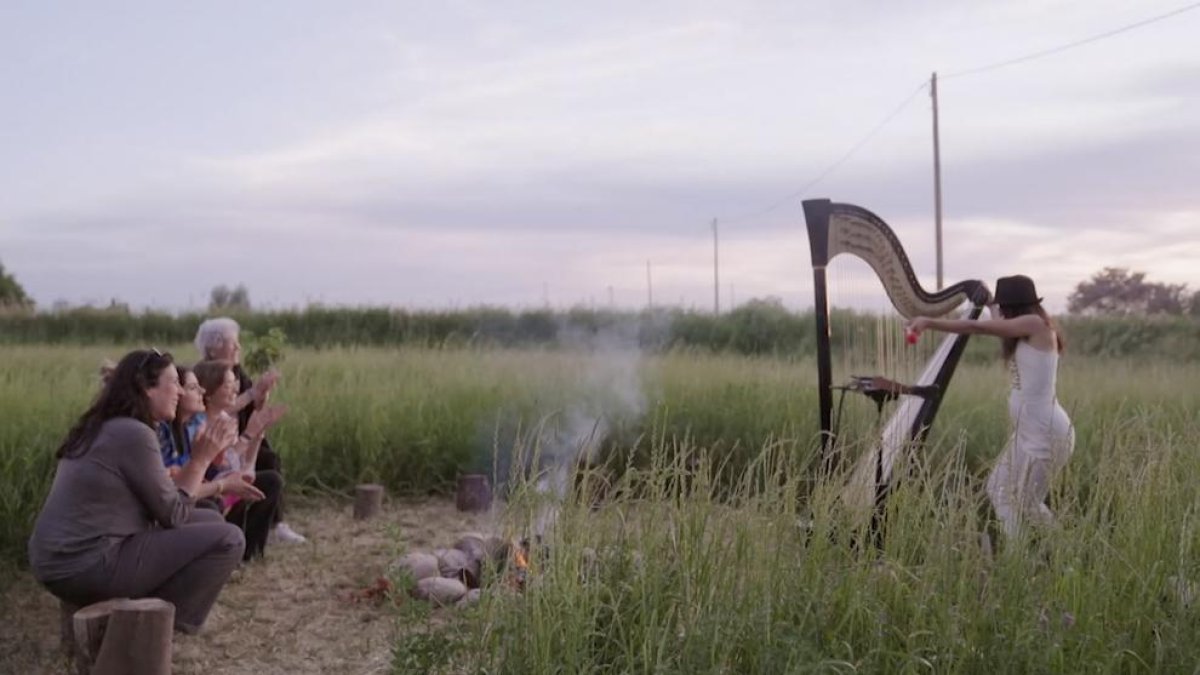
column 1041, row 442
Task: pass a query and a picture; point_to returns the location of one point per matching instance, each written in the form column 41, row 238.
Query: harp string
column 866, row 338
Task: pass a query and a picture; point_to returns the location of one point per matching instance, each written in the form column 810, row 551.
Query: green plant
column 261, row 352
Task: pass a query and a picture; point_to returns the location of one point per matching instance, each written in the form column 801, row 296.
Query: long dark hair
column 1008, row 346
column 177, row 433
column 123, row 395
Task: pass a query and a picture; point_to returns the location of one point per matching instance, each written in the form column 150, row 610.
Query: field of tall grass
column 702, row 540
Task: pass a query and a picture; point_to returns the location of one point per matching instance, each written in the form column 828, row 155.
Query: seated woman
column 114, row 525
column 217, row 340
column 237, row 462
column 175, row 442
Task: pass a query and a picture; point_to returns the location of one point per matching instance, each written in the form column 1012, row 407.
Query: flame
column 520, row 563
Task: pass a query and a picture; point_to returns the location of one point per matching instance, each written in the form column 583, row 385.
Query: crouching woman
column 114, row 524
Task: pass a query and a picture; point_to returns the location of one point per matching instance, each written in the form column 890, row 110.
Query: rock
column 454, row 564
column 473, row 546
column 417, row 566
column 471, row 598
column 439, row 590
column 450, row 561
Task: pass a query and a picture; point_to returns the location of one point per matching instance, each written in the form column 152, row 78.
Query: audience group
column 166, row 483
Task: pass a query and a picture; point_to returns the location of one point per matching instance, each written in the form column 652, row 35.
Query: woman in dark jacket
column 114, row 524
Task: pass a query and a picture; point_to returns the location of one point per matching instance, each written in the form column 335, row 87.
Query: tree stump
column 368, row 500
column 474, row 493
column 124, row 636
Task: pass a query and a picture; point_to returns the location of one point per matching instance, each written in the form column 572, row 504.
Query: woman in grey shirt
column 114, row 524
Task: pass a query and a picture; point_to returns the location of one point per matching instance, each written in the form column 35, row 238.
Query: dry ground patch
column 298, row 611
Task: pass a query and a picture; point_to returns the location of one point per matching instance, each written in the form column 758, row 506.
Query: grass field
column 695, row 562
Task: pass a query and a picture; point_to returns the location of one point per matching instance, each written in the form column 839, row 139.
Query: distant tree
column 12, row 294
column 1194, row 306
column 222, row 299
column 1115, row 291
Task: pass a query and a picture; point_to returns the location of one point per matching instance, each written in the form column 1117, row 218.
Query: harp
column 835, row 229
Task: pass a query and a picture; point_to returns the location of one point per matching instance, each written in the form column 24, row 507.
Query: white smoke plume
column 610, row 391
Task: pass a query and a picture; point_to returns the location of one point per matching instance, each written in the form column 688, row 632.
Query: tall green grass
column 675, row 575
column 414, row 418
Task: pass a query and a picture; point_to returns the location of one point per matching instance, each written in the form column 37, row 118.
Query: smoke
column 608, row 393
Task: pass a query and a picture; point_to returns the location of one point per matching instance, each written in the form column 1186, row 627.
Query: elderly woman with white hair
column 217, row 339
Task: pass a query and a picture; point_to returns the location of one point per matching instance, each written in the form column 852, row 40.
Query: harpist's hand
column 890, row 386
column 918, row 324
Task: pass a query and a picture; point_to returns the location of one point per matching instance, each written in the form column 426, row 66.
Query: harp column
column 816, row 215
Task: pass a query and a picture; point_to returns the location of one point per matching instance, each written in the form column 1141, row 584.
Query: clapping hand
column 264, row 418
column 263, row 386
column 217, row 433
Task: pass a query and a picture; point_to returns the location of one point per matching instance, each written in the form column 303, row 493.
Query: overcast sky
column 455, row 153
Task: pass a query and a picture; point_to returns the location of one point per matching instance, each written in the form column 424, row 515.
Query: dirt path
column 293, row 612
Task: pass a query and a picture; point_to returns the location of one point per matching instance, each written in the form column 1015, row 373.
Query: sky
column 459, row 153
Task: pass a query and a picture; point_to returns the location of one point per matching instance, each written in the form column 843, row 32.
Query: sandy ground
column 301, row 610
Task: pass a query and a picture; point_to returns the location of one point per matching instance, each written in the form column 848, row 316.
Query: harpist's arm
column 1018, row 327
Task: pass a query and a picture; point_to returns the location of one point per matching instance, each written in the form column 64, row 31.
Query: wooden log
column 368, row 500
column 88, row 626
column 474, row 493
column 138, row 638
column 124, row 636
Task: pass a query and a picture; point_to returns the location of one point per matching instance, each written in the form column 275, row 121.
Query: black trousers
column 256, row 518
column 268, row 460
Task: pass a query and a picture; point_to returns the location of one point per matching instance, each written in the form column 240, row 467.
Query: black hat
column 1016, row 290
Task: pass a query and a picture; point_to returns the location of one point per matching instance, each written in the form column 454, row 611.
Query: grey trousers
column 186, row 566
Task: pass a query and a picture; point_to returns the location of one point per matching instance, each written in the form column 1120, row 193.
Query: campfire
column 457, row 575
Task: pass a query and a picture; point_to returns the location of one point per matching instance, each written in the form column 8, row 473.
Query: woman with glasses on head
column 235, row 466
column 114, row 524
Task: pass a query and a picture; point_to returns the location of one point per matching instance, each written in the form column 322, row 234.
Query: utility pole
column 716, row 274
column 649, row 288
column 937, row 179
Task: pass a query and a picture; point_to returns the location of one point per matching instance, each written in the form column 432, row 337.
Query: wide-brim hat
column 1016, row 290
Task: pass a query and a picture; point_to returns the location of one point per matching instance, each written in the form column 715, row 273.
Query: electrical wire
column 803, row 190
column 1070, row 45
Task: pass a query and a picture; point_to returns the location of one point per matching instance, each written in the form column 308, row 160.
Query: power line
column 961, row 73
column 1072, row 45
column 836, row 164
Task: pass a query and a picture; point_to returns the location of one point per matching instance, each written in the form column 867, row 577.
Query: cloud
column 489, row 153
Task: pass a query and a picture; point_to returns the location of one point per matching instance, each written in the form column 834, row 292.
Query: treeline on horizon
column 757, row 327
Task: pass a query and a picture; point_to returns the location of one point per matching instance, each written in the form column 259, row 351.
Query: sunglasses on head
column 152, row 352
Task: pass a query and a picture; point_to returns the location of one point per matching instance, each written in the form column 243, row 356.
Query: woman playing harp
column 1042, row 437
